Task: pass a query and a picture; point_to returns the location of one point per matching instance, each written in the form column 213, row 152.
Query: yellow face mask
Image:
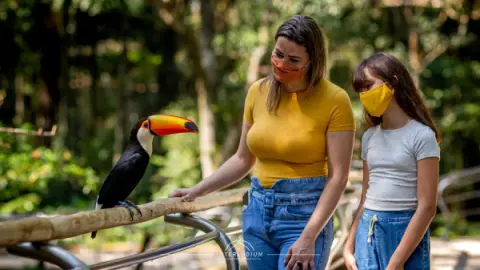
column 377, row 99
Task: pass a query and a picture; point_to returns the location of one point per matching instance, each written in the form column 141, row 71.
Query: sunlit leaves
column 33, row 177
column 22, row 204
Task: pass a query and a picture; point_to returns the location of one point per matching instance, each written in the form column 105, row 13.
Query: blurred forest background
column 89, row 69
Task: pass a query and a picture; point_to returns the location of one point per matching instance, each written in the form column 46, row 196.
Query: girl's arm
column 428, row 174
column 339, row 152
column 350, row 243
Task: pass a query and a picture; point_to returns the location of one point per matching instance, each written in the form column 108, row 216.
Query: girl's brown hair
column 304, row 31
column 390, row 70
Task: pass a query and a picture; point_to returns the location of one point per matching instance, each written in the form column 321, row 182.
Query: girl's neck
column 394, row 117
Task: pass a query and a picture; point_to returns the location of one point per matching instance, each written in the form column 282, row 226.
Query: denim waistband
column 291, row 191
column 385, row 218
column 388, row 215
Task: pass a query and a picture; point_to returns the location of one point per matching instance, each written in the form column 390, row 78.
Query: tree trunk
column 19, row 100
column 62, row 103
column 235, row 128
column 120, row 100
column 94, row 73
column 8, row 66
column 204, row 86
column 234, row 131
column 206, row 129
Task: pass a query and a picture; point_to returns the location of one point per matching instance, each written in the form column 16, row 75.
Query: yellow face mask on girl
column 377, row 99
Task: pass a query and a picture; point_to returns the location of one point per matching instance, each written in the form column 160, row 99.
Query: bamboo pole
column 60, row 227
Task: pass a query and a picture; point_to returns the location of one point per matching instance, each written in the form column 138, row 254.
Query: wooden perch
column 60, row 227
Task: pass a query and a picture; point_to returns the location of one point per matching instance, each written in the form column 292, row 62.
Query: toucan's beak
column 166, row 124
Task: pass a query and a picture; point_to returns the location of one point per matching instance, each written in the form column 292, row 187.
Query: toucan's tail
column 97, row 206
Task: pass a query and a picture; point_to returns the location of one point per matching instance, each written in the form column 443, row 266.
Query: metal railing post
column 48, row 253
column 154, row 253
column 207, row 226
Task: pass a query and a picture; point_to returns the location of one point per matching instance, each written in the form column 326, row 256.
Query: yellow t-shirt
column 292, row 142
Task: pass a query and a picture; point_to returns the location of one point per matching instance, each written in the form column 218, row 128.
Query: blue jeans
column 379, row 234
column 275, row 217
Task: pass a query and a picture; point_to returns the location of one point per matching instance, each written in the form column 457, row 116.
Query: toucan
column 130, row 168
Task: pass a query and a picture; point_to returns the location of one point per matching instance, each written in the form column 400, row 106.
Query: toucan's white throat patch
column 145, row 138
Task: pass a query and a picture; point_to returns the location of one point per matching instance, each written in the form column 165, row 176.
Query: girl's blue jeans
column 275, row 217
column 378, row 235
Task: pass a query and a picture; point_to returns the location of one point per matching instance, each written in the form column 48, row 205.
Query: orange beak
column 166, row 124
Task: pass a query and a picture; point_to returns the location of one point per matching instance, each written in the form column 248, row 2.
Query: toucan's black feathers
column 123, row 178
column 130, row 168
column 133, row 132
column 125, row 175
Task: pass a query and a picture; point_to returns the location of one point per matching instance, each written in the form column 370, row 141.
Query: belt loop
column 370, row 228
column 269, row 198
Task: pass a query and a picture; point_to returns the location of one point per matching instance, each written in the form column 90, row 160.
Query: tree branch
column 442, row 48
column 431, row 56
column 38, row 132
column 168, row 15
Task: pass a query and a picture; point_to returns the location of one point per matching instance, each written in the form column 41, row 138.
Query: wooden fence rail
column 37, row 229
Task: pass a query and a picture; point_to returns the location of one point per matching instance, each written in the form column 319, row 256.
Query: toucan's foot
column 126, row 205
column 134, row 206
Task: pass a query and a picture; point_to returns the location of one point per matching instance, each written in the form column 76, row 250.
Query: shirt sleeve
column 426, row 145
column 249, row 103
column 342, row 117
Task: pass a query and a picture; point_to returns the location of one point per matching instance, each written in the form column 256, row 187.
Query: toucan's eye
column 145, row 125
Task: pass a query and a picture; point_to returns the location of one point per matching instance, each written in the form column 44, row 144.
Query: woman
column 293, row 120
column 400, row 171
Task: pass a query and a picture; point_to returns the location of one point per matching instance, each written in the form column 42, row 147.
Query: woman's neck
column 394, row 117
column 295, row 87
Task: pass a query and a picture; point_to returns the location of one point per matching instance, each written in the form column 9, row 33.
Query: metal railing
column 58, row 256
column 46, row 252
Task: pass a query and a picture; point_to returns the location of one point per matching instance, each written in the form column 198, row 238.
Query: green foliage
column 455, row 226
column 38, row 178
column 179, row 166
column 452, row 88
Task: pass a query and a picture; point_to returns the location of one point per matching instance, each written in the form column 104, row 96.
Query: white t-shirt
column 392, row 156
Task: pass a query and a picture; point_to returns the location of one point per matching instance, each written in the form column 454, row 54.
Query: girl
column 400, row 156
column 293, row 120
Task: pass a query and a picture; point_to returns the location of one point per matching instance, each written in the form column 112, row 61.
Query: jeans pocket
column 299, row 211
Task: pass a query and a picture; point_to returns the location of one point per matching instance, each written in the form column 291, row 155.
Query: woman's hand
column 303, row 251
column 349, row 260
column 187, row 194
